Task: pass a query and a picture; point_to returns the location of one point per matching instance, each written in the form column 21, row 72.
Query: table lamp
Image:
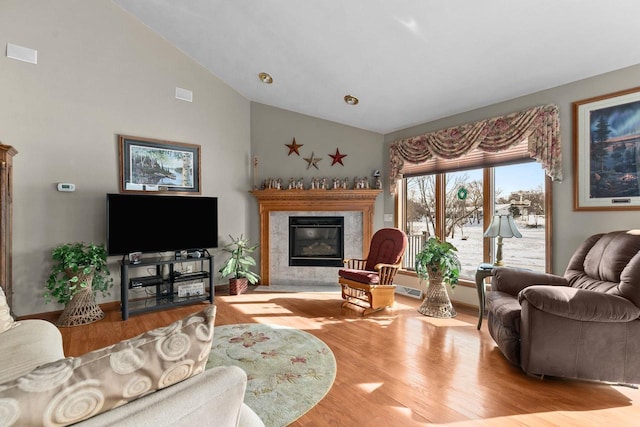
column 501, row 226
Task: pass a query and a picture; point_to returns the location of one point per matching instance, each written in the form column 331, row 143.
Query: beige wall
column 570, row 228
column 272, row 128
column 101, row 73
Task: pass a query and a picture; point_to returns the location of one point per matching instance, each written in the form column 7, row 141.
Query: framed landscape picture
column 606, row 152
column 151, row 165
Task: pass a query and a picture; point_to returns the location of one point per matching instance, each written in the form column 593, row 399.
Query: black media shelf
column 190, row 276
column 163, row 291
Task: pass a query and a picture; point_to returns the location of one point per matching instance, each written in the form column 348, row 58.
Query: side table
column 484, row 270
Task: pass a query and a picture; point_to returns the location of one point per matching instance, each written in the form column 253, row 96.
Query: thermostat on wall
column 65, row 186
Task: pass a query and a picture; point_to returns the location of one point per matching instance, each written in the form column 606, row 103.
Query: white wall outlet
column 388, row 217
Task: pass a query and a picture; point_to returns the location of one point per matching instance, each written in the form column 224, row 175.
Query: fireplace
column 316, row 241
column 276, row 206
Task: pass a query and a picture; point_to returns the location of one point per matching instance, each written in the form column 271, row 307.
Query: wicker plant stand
column 82, row 308
column 437, row 302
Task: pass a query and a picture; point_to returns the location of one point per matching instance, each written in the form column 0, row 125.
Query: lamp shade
column 502, row 226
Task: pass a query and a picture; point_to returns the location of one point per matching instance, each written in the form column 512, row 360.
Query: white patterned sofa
column 155, row 379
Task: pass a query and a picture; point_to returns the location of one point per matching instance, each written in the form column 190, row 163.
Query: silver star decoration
column 312, row 161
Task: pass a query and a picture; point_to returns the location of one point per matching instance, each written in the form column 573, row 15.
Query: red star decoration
column 293, row 147
column 337, row 158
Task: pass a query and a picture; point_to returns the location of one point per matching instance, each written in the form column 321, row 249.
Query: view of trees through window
column 518, row 190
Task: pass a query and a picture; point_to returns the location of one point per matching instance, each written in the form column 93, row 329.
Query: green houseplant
column 438, row 262
column 438, row 258
column 238, row 265
column 78, row 272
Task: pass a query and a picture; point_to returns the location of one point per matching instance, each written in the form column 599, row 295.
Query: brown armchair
column 368, row 283
column 585, row 324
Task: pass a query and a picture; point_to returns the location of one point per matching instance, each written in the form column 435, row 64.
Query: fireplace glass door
column 316, row 241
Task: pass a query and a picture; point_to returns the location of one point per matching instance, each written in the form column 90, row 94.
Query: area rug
column 289, row 371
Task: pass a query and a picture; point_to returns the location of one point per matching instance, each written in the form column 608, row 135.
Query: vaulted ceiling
column 407, row 61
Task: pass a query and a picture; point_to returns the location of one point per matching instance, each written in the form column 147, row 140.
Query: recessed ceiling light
column 351, row 100
column 265, row 78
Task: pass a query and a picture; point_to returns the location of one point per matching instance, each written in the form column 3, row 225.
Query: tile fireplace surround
column 275, row 207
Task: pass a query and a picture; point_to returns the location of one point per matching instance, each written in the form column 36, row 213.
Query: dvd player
column 140, row 282
column 177, row 276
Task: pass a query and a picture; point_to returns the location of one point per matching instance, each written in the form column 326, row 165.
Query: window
column 521, row 191
column 452, row 205
column 464, row 207
column 442, row 158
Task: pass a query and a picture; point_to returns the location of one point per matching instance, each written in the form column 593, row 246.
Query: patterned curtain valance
column 539, row 125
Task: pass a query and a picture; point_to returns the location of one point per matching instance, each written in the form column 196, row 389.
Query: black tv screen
column 157, row 223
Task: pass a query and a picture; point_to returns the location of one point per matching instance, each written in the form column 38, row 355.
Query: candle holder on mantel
column 255, row 172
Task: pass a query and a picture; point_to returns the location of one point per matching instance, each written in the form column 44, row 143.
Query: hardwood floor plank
column 397, row 367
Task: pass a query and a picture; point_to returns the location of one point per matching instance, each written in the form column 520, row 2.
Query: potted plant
column 438, row 258
column 79, row 271
column 238, row 265
column 438, row 262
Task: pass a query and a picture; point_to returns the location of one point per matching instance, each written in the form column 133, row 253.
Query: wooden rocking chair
column 368, row 283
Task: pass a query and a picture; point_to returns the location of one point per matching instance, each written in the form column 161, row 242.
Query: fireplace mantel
column 311, row 200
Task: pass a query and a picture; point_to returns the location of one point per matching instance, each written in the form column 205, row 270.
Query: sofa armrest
column 580, row 304
column 513, row 280
column 28, row 344
column 214, row 397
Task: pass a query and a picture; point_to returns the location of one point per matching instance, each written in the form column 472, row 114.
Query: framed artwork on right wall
column 606, row 152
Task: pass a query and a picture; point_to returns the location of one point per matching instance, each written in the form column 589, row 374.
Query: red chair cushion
column 360, row 276
column 387, row 247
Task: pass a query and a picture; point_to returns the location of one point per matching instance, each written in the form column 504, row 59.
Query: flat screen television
column 159, row 223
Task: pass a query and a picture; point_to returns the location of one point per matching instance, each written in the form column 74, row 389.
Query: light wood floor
column 399, row 368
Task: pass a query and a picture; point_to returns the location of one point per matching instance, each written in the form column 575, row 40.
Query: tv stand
column 161, row 291
column 192, row 254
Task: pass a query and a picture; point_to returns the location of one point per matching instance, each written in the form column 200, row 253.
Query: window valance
column 540, row 126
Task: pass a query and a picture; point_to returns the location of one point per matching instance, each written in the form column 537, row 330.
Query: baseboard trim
column 52, row 316
column 464, row 306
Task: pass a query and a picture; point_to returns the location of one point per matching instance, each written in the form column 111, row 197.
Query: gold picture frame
column 155, row 166
column 606, row 152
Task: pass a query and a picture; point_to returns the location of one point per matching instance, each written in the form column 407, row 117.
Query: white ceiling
column 408, row 61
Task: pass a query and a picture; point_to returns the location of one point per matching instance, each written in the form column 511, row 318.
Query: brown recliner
column 585, row 324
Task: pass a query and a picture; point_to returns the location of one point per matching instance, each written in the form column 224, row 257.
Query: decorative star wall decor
column 293, row 147
column 312, row 161
column 337, row 158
